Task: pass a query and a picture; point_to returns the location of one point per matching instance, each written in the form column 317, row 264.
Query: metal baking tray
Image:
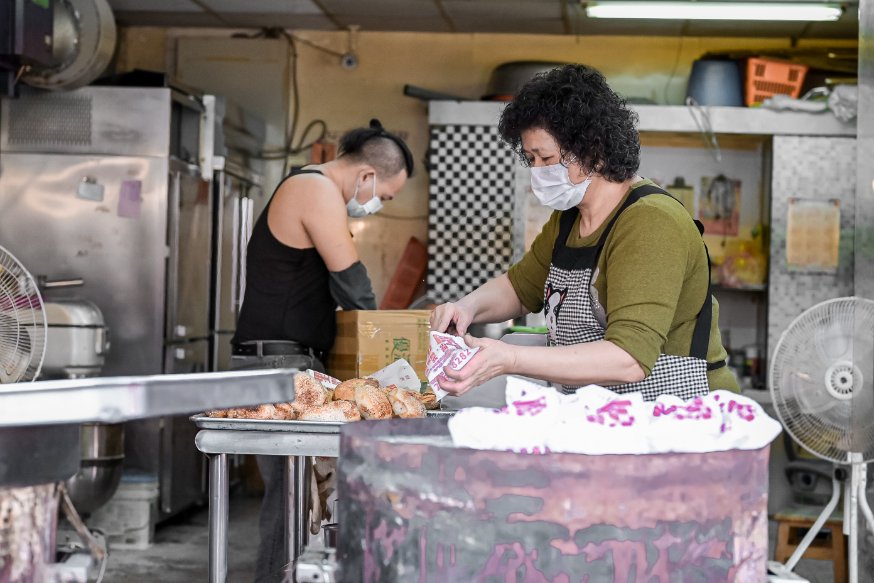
column 204, row 422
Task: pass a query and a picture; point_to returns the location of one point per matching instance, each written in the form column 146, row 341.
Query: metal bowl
column 495, row 330
column 94, row 484
column 102, row 451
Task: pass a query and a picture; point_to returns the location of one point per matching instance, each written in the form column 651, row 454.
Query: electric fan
column 822, row 383
column 22, row 322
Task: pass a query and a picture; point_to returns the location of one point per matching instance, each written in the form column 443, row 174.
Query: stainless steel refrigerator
column 238, row 196
column 113, row 185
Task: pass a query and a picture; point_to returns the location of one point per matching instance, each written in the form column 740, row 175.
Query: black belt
column 274, row 348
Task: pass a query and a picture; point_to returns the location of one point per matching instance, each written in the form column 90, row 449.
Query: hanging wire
column 702, row 120
column 676, row 63
column 292, row 94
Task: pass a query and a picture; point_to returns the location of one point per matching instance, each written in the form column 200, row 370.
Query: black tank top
column 287, row 290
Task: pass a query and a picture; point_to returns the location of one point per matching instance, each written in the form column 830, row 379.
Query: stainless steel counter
column 39, row 422
column 117, row 399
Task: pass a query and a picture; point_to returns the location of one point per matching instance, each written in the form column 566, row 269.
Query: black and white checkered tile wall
column 470, row 209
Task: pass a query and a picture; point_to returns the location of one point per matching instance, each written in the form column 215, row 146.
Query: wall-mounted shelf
column 670, row 118
column 745, row 289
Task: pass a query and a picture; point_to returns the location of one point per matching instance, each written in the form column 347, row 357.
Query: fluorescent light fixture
column 654, row 9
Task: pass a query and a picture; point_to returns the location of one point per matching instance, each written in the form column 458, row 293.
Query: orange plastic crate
column 766, row 78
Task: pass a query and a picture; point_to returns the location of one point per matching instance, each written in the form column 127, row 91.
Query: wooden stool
column 829, row 544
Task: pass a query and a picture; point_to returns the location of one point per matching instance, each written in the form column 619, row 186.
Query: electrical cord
column 291, row 122
column 704, row 126
column 673, row 69
column 278, row 153
column 295, row 94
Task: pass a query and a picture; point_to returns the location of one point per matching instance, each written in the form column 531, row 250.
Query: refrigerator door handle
column 248, row 205
column 173, row 259
column 235, row 253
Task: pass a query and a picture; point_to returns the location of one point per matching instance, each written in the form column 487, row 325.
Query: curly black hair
column 590, row 122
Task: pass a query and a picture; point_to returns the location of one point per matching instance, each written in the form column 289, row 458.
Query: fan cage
column 832, row 439
column 23, row 325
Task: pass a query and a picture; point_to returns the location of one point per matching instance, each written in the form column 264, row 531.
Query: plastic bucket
column 715, row 82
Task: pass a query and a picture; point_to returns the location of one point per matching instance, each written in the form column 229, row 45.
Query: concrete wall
column 251, row 72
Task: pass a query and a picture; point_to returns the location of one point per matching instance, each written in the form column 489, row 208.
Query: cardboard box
column 368, row 340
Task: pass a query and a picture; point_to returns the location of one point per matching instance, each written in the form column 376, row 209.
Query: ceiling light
column 654, row 9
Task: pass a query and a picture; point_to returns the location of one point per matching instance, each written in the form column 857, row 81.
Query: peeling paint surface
column 415, row 508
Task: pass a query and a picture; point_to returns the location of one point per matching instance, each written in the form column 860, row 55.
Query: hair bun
column 376, row 124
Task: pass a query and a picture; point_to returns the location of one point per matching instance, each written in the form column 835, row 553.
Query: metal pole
column 297, row 480
column 290, row 508
column 855, row 482
column 817, row 526
column 864, row 219
column 218, row 518
column 863, row 253
column 302, row 473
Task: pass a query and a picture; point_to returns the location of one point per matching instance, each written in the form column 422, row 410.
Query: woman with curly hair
column 620, row 269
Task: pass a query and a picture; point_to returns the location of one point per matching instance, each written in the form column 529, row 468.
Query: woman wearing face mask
column 620, row 269
column 301, row 264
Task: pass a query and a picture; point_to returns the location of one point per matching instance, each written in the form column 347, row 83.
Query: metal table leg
column 297, row 474
column 218, row 518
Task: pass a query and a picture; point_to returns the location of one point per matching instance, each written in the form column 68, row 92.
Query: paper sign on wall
column 129, row 199
column 813, row 235
column 719, row 205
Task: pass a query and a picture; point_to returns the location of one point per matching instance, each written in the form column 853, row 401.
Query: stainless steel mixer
column 77, row 341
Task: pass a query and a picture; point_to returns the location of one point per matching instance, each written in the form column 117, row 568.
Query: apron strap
column 565, row 224
column 701, row 334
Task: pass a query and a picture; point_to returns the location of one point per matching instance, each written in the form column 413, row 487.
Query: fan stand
column 854, row 499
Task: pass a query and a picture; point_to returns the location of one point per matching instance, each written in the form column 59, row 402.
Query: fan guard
column 22, row 322
column 821, row 379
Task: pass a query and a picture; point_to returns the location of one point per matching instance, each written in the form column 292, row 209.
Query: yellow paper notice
column 813, row 235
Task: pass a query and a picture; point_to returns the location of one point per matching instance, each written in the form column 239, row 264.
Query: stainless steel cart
column 297, row 441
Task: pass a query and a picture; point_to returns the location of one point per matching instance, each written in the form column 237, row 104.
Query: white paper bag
column 400, row 374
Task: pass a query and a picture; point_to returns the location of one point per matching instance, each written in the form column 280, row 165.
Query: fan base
column 778, row 573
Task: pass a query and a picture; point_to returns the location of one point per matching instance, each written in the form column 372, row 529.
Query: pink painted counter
column 415, row 508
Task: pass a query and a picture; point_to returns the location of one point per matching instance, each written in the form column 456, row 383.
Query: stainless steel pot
column 102, row 452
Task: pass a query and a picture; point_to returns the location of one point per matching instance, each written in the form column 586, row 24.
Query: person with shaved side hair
column 301, row 264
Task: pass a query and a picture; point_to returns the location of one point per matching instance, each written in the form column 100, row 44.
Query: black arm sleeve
column 351, row 288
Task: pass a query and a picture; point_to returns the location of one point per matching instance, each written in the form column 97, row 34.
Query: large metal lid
column 73, row 313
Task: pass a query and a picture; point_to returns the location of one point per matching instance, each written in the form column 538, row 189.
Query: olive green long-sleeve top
column 652, row 280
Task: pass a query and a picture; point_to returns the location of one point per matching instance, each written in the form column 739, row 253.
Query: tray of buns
column 330, row 427
column 323, row 404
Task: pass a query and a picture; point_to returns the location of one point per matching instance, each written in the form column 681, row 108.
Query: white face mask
column 553, row 187
column 356, row 210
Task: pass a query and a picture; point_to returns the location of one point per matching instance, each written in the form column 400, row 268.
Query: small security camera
column 349, row 61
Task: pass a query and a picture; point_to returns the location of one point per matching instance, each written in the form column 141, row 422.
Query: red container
column 766, row 78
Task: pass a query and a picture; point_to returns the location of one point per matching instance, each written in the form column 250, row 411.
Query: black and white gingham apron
column 574, row 314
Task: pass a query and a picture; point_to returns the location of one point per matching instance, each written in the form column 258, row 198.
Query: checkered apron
column 574, row 314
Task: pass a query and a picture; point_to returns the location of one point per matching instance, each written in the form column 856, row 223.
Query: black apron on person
column 575, row 316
